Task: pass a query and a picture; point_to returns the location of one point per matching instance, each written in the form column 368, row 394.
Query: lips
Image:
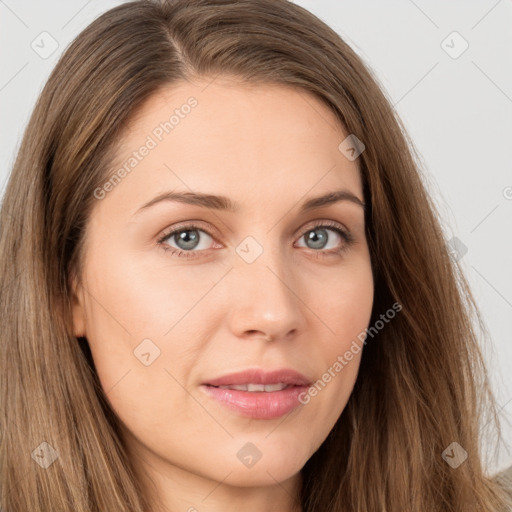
column 258, row 394
column 254, row 379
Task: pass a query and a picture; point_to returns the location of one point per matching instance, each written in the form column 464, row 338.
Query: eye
column 320, row 235
column 187, row 238
column 190, row 239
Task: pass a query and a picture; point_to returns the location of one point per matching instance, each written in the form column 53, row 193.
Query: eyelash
column 345, row 235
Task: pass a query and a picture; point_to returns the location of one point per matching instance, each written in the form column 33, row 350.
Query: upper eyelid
column 185, row 226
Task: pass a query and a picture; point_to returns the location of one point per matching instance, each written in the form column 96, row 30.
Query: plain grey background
column 447, row 69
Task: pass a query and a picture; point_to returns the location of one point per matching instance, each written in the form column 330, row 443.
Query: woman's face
column 256, row 287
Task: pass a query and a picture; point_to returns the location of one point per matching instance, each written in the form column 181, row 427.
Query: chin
column 274, row 465
column 261, row 476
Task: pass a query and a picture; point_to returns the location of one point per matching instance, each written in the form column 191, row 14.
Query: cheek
column 344, row 308
column 142, row 326
column 144, row 296
column 142, row 372
column 157, row 296
column 345, row 303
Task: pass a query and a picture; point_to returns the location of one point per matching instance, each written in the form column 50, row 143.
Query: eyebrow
column 223, row 203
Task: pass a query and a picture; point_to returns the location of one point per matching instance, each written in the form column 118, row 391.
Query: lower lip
column 258, row 404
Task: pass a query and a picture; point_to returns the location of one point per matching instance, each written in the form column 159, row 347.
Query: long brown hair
column 422, row 383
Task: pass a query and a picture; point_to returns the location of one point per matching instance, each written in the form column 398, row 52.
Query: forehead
column 225, row 137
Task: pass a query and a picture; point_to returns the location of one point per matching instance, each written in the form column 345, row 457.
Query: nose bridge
column 262, row 261
column 263, row 297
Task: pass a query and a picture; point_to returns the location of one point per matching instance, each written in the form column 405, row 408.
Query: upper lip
column 260, row 376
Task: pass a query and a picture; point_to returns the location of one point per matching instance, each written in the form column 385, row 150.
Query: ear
column 77, row 308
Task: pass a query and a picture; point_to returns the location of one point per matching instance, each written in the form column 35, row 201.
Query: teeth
column 257, row 387
column 273, row 387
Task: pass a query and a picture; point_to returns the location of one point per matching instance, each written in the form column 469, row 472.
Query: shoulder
column 504, row 478
column 505, row 475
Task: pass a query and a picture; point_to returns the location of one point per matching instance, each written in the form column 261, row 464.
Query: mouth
column 258, row 394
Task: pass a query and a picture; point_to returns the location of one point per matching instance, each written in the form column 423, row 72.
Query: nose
column 265, row 298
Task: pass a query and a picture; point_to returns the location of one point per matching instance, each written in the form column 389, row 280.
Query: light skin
column 268, row 148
